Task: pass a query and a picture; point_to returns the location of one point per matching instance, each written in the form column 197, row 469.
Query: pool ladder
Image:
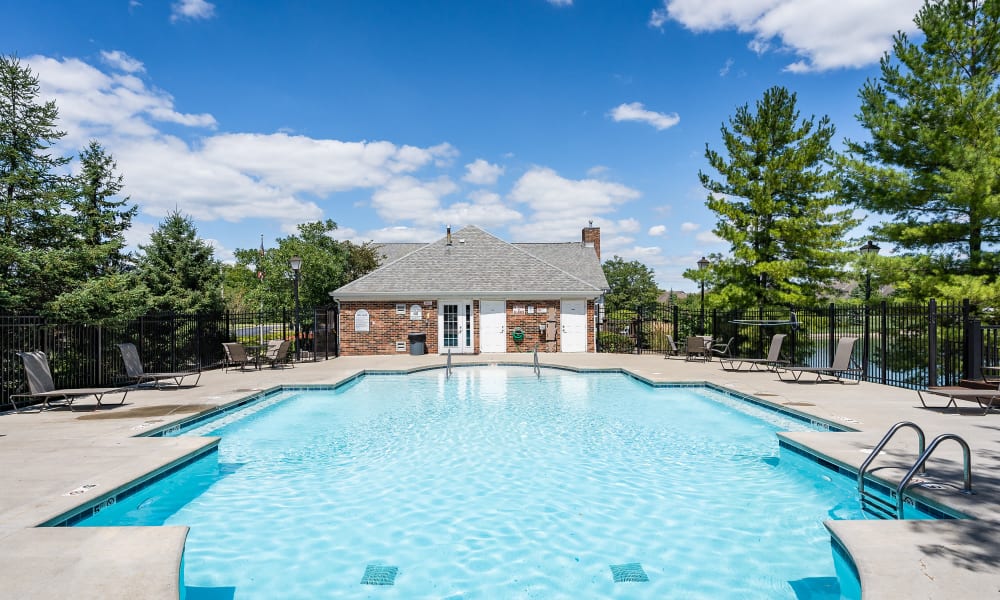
column 887, row 509
column 538, row 369
column 447, row 371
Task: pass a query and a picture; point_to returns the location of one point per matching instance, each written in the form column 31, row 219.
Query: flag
column 260, row 261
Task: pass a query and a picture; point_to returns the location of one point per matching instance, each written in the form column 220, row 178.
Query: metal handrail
column 966, row 469
column 538, row 370
column 447, row 371
column 885, row 440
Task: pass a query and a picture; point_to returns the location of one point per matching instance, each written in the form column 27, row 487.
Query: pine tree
column 102, row 219
column 33, row 227
column 179, row 269
column 932, row 165
column 776, row 206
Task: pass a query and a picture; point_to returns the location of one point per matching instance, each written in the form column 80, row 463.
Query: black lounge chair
column 135, row 372
column 772, row 361
column 988, row 399
column 41, row 386
column 842, row 361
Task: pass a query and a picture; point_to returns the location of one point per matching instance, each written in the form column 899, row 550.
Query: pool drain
column 379, row 575
column 629, row 572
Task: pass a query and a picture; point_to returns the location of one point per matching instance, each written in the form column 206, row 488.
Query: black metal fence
column 83, row 355
column 909, row 346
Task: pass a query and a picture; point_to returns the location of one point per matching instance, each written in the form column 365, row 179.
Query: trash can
column 418, row 344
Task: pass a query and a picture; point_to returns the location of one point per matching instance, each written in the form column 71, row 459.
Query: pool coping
column 830, row 402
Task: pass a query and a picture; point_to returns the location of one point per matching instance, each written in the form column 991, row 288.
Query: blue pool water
column 497, row 484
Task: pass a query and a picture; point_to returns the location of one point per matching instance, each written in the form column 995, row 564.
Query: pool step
column 878, row 506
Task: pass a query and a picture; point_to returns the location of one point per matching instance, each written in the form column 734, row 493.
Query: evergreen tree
column 933, row 163
column 34, row 261
column 632, row 285
column 102, row 218
column 776, row 206
column 179, row 269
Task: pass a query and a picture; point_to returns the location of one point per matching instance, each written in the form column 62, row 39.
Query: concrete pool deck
column 50, row 458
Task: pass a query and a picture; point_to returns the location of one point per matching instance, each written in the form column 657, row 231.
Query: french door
column 455, row 327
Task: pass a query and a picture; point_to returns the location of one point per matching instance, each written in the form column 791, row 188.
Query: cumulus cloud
column 191, row 10
column 481, row 172
column 689, row 226
column 707, row 237
column 657, row 230
column 635, row 111
column 826, row 35
column 560, row 2
column 410, row 199
column 228, row 176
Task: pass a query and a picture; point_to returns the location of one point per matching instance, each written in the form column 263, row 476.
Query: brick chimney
column 592, row 237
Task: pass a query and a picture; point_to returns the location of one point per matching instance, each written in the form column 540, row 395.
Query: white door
column 573, row 325
column 493, row 325
column 455, row 327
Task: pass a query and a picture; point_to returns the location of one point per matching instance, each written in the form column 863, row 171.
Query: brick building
column 471, row 292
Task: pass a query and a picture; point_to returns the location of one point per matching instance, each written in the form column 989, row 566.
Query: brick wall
column 386, row 327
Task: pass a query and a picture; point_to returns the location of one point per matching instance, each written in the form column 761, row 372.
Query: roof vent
column 448, row 236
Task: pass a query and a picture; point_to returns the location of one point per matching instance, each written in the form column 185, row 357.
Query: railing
column 901, row 345
column 966, row 468
column 86, row 355
column 874, row 503
column 538, row 369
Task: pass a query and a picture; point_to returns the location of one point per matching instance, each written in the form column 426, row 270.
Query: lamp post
column 868, row 250
column 702, row 265
column 296, row 264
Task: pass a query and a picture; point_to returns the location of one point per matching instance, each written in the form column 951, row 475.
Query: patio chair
column 842, row 361
column 236, row 355
column 277, row 353
column 772, row 361
column 41, row 386
column 723, row 351
column 697, row 348
column 134, row 370
column 672, row 349
column 988, row 399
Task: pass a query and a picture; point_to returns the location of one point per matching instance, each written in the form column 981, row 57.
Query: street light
column 296, row 264
column 867, row 250
column 702, row 265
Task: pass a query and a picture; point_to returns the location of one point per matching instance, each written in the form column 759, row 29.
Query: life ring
column 517, row 334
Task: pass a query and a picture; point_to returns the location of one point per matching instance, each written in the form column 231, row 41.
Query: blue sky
column 396, row 118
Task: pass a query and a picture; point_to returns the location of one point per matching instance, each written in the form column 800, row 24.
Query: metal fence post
column 866, row 346
column 832, row 341
column 932, row 342
column 883, row 341
column 675, row 318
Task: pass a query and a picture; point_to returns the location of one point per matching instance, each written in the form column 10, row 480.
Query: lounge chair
column 135, row 372
column 236, row 355
column 841, row 366
column 723, row 351
column 41, row 386
column 772, row 361
column 672, row 349
column 987, row 399
column 277, row 353
column 698, row 348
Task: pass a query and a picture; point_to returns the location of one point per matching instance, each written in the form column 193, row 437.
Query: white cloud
column 481, row 172
column 726, row 68
column 560, row 2
column 689, row 226
column 402, row 234
column 635, row 111
column 657, row 230
column 409, row 199
column 826, row 35
column 562, row 206
column 191, row 9
column 121, row 61
column 707, row 237
column 597, row 171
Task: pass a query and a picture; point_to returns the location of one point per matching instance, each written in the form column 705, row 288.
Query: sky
column 395, row 119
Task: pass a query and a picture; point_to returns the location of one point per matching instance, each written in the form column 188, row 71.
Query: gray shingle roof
column 479, row 264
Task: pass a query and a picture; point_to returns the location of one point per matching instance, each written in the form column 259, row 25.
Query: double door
column 455, row 328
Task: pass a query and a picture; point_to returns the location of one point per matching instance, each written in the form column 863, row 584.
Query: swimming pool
column 496, row 484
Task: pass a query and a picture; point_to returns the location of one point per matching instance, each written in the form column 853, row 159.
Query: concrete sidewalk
column 56, row 460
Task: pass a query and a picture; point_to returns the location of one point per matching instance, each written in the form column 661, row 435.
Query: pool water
column 496, row 484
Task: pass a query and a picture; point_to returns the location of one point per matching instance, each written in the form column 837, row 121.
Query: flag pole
column 260, row 277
